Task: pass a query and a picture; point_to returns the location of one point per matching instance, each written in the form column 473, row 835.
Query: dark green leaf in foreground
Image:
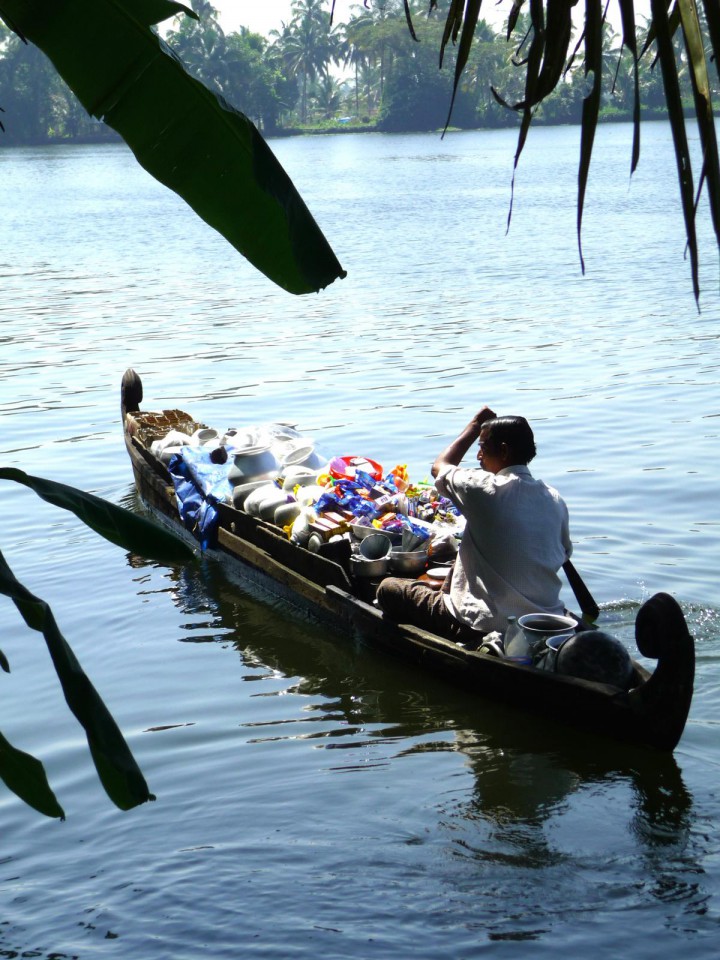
column 4, row 662
column 115, row 524
column 187, row 137
column 119, row 773
column 25, row 776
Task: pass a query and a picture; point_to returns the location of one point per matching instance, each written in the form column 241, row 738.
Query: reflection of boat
column 653, row 713
column 349, row 698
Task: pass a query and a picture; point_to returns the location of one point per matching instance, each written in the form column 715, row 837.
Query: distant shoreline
column 107, row 135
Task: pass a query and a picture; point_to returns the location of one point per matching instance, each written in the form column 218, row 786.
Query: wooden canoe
column 652, row 713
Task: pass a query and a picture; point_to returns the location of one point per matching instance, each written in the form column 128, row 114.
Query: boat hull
column 652, row 714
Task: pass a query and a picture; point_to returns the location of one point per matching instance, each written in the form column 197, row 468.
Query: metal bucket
column 536, row 628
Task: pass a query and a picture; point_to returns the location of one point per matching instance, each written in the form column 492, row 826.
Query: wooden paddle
column 590, row 609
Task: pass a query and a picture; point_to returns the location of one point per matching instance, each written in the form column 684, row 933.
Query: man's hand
column 483, row 416
column 452, row 455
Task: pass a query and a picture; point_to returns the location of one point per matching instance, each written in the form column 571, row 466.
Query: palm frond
column 546, row 62
column 118, row 772
column 591, row 106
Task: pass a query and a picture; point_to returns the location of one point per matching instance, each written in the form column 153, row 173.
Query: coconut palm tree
column 326, row 96
column 375, row 36
column 201, row 44
column 308, row 45
column 355, row 50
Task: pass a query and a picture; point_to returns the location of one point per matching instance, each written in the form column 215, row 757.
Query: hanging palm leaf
column 115, row 764
column 591, row 105
column 671, row 82
column 546, row 63
column 627, row 14
column 119, row 773
column 25, row 776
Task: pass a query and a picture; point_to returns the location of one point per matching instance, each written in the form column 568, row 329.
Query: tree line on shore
column 311, row 75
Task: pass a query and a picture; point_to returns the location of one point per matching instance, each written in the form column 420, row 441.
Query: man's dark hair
column 516, row 433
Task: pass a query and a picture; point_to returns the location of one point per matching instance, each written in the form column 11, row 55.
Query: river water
column 316, row 797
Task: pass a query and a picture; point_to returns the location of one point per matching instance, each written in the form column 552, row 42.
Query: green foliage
column 255, row 81
column 306, row 47
column 289, row 83
column 417, row 94
column 116, row 525
column 115, row 764
column 25, row 776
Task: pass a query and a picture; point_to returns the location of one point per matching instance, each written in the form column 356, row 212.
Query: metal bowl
column 408, row 563
column 538, row 626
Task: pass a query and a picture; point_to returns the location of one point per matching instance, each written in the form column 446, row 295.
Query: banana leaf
column 25, row 776
column 116, row 767
column 115, row 524
column 183, row 134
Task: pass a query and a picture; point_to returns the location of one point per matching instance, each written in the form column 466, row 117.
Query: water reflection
column 350, row 697
column 519, row 781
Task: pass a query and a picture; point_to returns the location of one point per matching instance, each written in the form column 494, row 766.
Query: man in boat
column 515, row 541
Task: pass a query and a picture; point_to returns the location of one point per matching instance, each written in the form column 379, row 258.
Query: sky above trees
column 262, row 16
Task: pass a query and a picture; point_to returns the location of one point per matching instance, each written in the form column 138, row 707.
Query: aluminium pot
column 360, row 567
